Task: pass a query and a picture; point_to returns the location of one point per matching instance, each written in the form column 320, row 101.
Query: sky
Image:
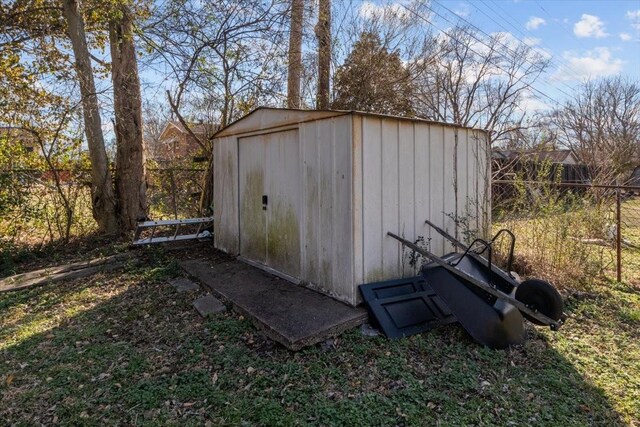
column 586, row 39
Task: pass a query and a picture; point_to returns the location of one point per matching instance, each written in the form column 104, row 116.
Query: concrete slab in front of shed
column 208, row 305
column 182, row 284
column 292, row 315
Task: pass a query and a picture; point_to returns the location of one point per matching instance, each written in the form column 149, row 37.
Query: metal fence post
column 618, row 237
column 174, row 203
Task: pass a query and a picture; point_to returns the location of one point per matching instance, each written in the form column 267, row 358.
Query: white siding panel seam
column 429, row 187
column 413, row 150
column 362, row 194
column 381, row 174
column 399, row 261
column 415, row 188
column 455, row 179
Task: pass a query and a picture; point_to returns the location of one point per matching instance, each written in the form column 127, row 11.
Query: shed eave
column 309, row 115
column 301, row 117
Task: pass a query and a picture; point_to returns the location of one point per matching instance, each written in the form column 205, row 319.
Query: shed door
column 270, row 200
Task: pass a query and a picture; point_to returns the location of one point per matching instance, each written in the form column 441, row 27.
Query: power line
column 562, row 25
column 510, row 22
column 529, row 86
column 499, row 42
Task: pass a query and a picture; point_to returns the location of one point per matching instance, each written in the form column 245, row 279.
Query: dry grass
column 569, row 240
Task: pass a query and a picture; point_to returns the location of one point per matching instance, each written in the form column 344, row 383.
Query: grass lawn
column 123, row 347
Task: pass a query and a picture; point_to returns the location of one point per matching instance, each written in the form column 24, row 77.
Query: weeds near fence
column 566, row 235
column 36, row 210
column 42, row 212
column 174, row 190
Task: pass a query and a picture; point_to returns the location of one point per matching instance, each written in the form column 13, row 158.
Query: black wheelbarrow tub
column 489, row 320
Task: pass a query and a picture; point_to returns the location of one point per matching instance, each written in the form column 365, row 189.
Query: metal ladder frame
column 177, row 223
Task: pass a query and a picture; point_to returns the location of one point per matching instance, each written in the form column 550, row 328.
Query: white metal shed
column 311, row 194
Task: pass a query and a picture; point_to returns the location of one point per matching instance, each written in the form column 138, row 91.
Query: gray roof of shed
column 294, row 116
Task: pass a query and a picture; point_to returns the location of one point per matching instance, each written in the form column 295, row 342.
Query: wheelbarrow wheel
column 542, row 297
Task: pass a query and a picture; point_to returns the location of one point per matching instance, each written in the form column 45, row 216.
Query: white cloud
column 369, row 10
column 625, row 37
column 535, row 22
column 634, row 17
column 589, row 26
column 531, row 41
column 513, row 42
column 531, row 102
column 598, row 62
column 463, row 10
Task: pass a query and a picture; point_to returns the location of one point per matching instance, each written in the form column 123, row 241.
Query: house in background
column 536, row 165
column 634, row 178
column 176, row 143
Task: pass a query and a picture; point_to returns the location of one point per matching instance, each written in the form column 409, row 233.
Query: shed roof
column 263, row 118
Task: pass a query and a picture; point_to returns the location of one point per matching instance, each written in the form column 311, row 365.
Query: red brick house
column 176, row 143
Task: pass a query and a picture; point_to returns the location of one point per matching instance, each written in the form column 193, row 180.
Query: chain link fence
column 37, row 206
column 174, row 192
column 571, row 233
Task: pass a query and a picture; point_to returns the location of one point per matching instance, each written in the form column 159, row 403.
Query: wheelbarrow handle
column 447, row 236
column 485, row 245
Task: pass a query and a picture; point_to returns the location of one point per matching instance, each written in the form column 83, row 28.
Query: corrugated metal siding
column 326, row 202
column 225, row 194
column 405, row 173
column 327, row 206
column 270, row 166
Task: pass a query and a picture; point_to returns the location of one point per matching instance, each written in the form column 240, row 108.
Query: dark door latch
column 265, row 202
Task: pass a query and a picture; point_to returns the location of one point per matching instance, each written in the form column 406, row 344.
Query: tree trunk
column 295, row 54
column 102, row 197
column 130, row 176
column 323, row 33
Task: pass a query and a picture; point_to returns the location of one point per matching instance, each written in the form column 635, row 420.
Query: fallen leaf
column 10, row 379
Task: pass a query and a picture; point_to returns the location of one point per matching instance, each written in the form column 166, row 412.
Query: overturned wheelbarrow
column 489, row 303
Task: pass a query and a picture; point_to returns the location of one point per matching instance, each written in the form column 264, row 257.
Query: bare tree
column 220, row 68
column 155, row 116
column 295, row 54
column 228, row 64
column 323, row 33
column 477, row 81
column 130, row 179
column 602, row 125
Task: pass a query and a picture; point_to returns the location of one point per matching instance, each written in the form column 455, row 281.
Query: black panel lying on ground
column 404, row 307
